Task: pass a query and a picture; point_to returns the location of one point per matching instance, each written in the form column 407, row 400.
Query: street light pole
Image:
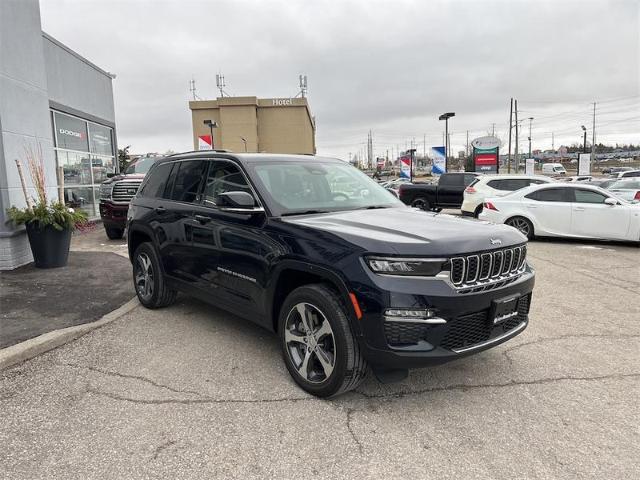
column 211, row 125
column 446, row 117
column 530, row 121
column 584, row 144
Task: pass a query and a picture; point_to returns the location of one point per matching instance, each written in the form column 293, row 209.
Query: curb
column 48, row 341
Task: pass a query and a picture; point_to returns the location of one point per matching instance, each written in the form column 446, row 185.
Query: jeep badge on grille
column 495, row 241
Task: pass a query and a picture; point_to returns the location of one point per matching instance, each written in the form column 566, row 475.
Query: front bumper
column 113, row 214
column 469, row 326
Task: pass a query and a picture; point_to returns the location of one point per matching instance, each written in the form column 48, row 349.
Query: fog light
column 410, row 315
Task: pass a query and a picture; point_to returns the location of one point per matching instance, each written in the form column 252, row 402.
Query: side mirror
column 237, row 202
column 111, row 174
column 610, row 201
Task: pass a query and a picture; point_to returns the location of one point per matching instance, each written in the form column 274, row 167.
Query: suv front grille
column 124, row 191
column 475, row 273
column 470, row 330
column 461, row 332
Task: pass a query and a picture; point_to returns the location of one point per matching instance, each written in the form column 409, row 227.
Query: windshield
column 558, row 169
column 625, row 185
column 142, row 165
column 292, row 188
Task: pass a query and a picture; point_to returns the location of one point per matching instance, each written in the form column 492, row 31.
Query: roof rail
column 217, row 150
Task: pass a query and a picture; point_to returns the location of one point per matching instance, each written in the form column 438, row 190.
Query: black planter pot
column 50, row 247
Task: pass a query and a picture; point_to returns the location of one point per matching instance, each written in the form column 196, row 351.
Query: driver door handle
column 202, row 219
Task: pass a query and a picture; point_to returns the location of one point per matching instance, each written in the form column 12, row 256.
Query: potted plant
column 48, row 224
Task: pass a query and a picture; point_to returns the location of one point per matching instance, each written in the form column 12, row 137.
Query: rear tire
column 148, row 279
column 521, row 224
column 421, row 203
column 114, row 233
column 318, row 346
column 477, row 211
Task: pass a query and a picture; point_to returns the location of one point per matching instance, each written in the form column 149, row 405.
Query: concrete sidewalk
column 36, row 301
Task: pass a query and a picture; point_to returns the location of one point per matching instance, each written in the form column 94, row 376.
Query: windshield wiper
column 373, row 207
column 305, row 212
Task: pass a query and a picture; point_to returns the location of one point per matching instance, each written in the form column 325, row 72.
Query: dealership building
column 251, row 124
column 51, row 100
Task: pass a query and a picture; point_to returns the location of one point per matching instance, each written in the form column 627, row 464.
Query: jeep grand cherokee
column 347, row 275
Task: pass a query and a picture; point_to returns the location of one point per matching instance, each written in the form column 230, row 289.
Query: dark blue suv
column 349, row 277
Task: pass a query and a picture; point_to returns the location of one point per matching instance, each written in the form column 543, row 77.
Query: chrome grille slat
column 487, row 270
column 124, row 191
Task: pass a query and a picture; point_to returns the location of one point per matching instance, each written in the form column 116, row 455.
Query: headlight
column 105, row 191
column 425, row 267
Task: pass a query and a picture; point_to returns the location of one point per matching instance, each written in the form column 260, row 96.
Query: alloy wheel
column 144, row 276
column 310, row 342
column 521, row 224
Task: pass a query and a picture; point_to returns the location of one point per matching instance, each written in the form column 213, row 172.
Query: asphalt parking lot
column 193, row 392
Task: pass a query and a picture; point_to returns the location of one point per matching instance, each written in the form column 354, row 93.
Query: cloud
column 392, row 67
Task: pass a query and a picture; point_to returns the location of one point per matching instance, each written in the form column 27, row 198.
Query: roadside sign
column 584, row 164
column 486, row 143
column 439, row 165
column 529, row 166
column 205, row 142
column 405, row 166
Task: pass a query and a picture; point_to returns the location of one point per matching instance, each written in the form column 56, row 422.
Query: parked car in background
column 565, row 210
column 445, row 191
column 580, row 178
column 628, row 174
column 495, row 186
column 614, row 171
column 553, row 169
column 626, row 188
column 116, row 194
column 601, row 182
column 347, row 283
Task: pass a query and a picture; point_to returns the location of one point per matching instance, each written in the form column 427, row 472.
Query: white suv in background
column 495, row 186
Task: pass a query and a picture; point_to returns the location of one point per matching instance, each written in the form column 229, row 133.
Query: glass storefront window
column 76, row 167
column 71, row 133
column 101, row 165
column 100, row 139
column 85, row 151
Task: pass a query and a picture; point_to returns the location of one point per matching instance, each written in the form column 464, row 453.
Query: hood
column 122, row 176
column 408, row 231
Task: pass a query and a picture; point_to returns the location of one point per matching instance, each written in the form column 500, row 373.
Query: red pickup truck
column 116, row 194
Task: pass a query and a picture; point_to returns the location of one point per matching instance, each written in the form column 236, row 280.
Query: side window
column 450, row 180
column 223, row 177
column 187, row 180
column 469, row 179
column 588, row 196
column 549, row 195
column 514, row 184
column 497, row 184
column 156, row 184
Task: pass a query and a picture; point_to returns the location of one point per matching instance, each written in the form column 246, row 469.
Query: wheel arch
column 291, row 274
column 136, row 235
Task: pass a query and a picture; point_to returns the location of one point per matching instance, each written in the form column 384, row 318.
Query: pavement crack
column 507, row 351
column 162, row 447
column 350, row 412
column 511, row 383
column 193, row 401
column 131, row 377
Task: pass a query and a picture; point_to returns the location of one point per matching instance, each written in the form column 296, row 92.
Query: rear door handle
column 202, row 219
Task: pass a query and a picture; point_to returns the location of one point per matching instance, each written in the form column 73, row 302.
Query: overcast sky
column 390, row 66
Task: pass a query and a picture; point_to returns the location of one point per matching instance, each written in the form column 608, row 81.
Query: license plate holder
column 504, row 309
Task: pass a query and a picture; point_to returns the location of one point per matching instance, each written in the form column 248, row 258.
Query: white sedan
column 566, row 210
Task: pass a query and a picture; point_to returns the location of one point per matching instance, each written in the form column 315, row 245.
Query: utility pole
column 530, row 121
column 553, row 144
column 593, row 136
column 493, row 129
column 466, row 149
column 510, row 128
column 517, row 162
column 424, row 147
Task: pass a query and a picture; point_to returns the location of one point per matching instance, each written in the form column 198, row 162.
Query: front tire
column 114, row 233
column 522, row 224
column 421, row 203
column 148, row 279
column 318, row 346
